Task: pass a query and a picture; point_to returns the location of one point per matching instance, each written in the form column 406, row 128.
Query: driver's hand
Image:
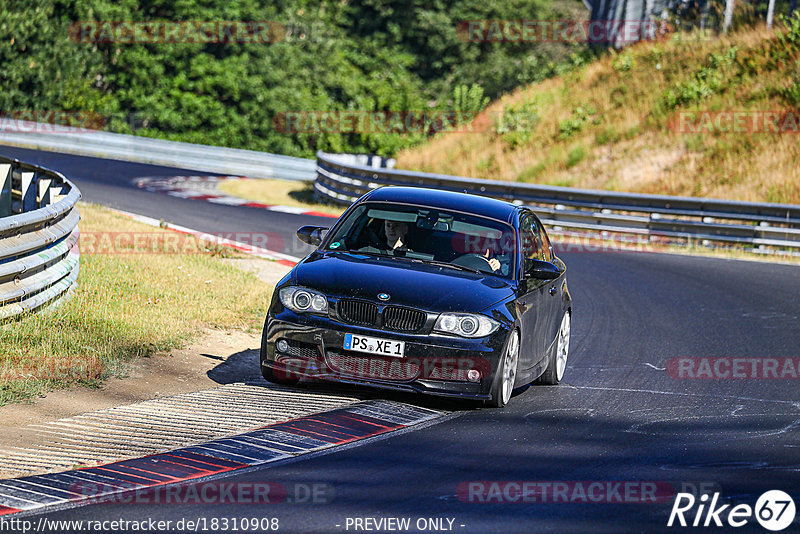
column 494, row 263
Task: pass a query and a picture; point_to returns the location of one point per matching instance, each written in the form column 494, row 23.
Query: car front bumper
column 432, row 364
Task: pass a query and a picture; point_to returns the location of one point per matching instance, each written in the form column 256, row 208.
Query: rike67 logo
column 774, row 510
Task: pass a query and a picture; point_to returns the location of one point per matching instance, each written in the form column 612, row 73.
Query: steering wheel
column 374, row 240
column 474, row 261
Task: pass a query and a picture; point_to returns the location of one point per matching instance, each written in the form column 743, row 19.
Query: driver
column 396, row 234
column 494, row 263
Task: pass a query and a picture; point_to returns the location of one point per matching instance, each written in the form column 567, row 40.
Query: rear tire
column 506, row 373
column 558, row 356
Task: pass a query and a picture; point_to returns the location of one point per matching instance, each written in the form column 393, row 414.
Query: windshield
column 456, row 240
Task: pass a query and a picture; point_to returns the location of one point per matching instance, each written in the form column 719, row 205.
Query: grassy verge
column 616, row 123
column 128, row 305
column 279, row 193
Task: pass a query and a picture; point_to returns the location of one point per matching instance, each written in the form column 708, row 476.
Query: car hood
column 419, row 285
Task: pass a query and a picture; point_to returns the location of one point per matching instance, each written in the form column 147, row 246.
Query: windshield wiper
column 362, row 252
column 451, row 265
column 416, row 260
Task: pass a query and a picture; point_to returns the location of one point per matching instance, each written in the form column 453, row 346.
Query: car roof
column 449, row 200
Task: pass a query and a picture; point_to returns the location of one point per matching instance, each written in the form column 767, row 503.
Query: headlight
column 465, row 324
column 300, row 299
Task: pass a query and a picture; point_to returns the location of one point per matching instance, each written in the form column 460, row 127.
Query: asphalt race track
column 621, row 416
column 111, row 183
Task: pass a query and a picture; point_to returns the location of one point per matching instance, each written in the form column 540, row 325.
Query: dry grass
column 608, row 124
column 279, row 193
column 128, row 305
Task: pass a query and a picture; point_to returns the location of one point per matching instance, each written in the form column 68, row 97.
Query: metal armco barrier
column 691, row 220
column 39, row 258
column 206, row 158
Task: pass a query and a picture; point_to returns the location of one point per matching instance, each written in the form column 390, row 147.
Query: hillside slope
column 682, row 117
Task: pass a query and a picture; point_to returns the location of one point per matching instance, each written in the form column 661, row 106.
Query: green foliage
column 609, row 135
column 575, row 123
column 469, row 100
column 530, row 174
column 623, row 63
column 720, row 71
column 487, row 165
column 41, row 67
column 370, row 56
column 576, row 155
column 467, row 103
column 790, row 35
column 516, row 123
column 792, row 93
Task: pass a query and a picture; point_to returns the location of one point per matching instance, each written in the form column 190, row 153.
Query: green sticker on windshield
column 335, row 244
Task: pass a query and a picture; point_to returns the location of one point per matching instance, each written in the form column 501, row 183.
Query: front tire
column 558, row 358
column 506, row 373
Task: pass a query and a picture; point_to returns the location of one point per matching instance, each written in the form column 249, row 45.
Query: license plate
column 373, row 345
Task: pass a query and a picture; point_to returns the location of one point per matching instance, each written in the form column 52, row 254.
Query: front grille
column 403, row 319
column 373, row 367
column 442, row 371
column 358, row 311
column 301, row 350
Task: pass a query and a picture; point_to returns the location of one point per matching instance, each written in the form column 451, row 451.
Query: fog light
column 282, row 345
column 473, row 375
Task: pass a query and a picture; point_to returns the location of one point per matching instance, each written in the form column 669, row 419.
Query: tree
column 770, row 13
column 728, row 15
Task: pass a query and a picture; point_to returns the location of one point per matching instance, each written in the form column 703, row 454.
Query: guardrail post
column 28, row 193
column 57, row 192
column 45, row 196
column 5, row 190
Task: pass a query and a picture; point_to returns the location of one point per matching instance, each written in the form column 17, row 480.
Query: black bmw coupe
column 423, row 290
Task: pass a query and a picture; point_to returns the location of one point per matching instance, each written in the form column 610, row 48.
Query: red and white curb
column 205, row 188
column 283, row 259
column 271, row 443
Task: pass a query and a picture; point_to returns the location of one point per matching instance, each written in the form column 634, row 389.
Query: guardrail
column 689, row 220
column 39, row 257
column 206, row 158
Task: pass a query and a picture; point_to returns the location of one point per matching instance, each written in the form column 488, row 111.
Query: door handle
column 553, row 290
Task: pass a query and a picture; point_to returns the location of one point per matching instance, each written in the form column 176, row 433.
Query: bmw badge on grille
column 384, row 296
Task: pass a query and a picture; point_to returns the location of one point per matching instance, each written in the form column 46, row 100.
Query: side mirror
column 541, row 270
column 311, row 235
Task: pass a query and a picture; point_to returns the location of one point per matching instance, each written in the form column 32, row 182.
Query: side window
column 545, row 242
